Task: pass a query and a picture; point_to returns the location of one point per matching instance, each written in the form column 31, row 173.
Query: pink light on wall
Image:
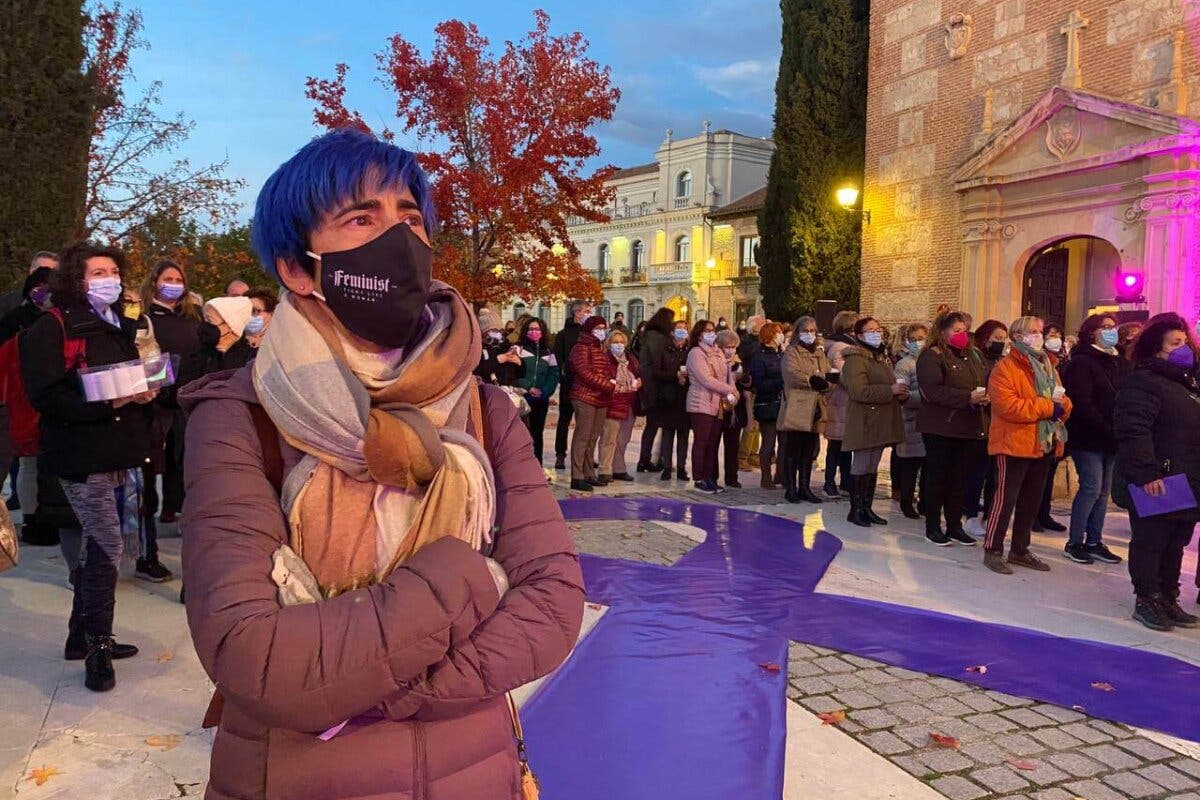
column 1130, row 286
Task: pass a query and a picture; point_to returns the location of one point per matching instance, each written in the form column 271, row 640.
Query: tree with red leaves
column 124, row 187
column 508, row 138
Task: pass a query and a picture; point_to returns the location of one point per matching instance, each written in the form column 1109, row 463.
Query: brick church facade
column 1024, row 155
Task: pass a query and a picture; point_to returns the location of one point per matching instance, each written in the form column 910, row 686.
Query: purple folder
column 1179, row 497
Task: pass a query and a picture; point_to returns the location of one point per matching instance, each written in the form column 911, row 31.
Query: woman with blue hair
column 373, row 557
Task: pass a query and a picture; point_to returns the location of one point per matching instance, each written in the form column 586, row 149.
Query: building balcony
column 746, row 272
column 605, row 277
column 672, row 272
column 682, row 202
column 635, row 277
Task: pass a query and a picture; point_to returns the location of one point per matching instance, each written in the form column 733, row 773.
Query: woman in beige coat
column 804, row 411
column 873, row 418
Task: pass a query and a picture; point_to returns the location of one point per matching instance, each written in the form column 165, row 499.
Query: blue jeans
column 1091, row 501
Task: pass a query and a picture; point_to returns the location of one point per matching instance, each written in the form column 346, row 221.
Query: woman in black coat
column 1156, row 420
column 671, row 388
column 649, row 349
column 1092, row 378
column 88, row 445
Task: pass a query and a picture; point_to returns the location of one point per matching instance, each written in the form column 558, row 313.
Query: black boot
column 1149, row 611
column 857, row 513
column 100, row 676
column 1179, row 618
column 869, row 500
column 805, row 488
column 76, row 648
column 787, row 472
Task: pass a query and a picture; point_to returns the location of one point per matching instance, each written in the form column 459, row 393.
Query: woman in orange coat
column 1029, row 408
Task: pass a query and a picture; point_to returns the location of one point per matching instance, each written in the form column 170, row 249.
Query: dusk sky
column 237, row 67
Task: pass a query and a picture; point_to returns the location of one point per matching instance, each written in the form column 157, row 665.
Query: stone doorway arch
column 1068, row 276
column 682, row 307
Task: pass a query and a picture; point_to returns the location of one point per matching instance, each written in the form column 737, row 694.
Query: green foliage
column 45, row 123
column 811, row 248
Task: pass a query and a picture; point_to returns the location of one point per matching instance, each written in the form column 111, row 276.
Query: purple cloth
column 1178, row 497
column 667, row 697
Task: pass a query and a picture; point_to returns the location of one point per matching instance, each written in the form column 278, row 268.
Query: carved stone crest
column 958, row 34
column 1063, row 133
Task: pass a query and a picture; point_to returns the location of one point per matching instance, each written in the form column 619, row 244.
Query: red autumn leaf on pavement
column 942, row 740
column 832, row 717
column 1103, row 686
column 770, row 667
column 981, row 669
column 1020, row 763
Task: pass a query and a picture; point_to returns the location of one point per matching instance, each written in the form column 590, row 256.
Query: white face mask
column 600, row 333
column 779, row 339
column 618, row 350
column 1033, row 341
column 709, row 338
column 1054, row 344
column 808, row 338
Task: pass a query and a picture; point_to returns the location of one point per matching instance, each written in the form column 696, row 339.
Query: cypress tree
column 46, row 105
column 811, row 249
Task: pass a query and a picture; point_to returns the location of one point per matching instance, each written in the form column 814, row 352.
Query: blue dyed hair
column 323, row 174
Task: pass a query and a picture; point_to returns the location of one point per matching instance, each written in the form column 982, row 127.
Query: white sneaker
column 974, row 527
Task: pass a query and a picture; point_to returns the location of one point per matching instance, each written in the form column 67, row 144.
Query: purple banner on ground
column 666, row 698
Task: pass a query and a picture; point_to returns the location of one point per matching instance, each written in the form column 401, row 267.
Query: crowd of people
column 978, row 420
column 86, row 474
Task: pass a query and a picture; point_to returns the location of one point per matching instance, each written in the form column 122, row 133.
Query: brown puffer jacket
column 420, row 661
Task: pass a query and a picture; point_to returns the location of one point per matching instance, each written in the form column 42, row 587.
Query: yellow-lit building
column 681, row 233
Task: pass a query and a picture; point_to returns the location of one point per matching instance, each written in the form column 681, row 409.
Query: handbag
column 8, row 540
column 768, row 411
column 529, row 782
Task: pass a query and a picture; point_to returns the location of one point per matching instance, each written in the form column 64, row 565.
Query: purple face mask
column 1182, row 357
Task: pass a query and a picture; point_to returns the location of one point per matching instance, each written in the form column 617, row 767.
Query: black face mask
column 995, row 349
column 378, row 290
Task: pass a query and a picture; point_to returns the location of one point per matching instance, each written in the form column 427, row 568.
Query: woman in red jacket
column 618, row 427
column 594, row 375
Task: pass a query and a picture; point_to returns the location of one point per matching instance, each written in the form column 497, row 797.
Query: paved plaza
column 145, row 736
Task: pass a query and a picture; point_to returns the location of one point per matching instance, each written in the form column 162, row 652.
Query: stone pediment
column 1070, row 130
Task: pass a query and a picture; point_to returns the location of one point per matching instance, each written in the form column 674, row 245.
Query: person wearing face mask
column 653, row 341
column 1092, row 379
column 766, row 376
column 539, row 378
column 710, row 386
column 953, row 422
column 803, row 411
column 263, row 303
column 873, row 416
column 909, row 454
column 174, row 315
column 564, row 342
column 671, row 390
column 836, row 347
column 735, row 419
column 618, row 424
column 751, row 438
column 1027, row 434
column 1156, row 422
column 991, row 342
column 1059, row 355
column 89, row 445
column 35, row 299
column 595, row 376
column 500, row 364
column 369, row 538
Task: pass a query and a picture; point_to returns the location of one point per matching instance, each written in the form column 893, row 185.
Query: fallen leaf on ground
column 832, row 717
column 942, row 740
column 165, row 656
column 574, row 527
column 40, row 776
column 1103, row 686
column 981, row 669
column 167, row 741
column 770, row 667
column 595, row 606
column 1020, row 763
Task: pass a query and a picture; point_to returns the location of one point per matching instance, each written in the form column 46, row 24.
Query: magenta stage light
column 1129, row 286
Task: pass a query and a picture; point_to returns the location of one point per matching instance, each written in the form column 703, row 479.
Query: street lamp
column 711, row 264
column 847, row 198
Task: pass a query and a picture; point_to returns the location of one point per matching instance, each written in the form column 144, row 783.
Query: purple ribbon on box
column 1178, row 497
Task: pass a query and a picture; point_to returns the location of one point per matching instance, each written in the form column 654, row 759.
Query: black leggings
column 536, row 421
column 948, row 467
column 1156, row 554
column 836, row 459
